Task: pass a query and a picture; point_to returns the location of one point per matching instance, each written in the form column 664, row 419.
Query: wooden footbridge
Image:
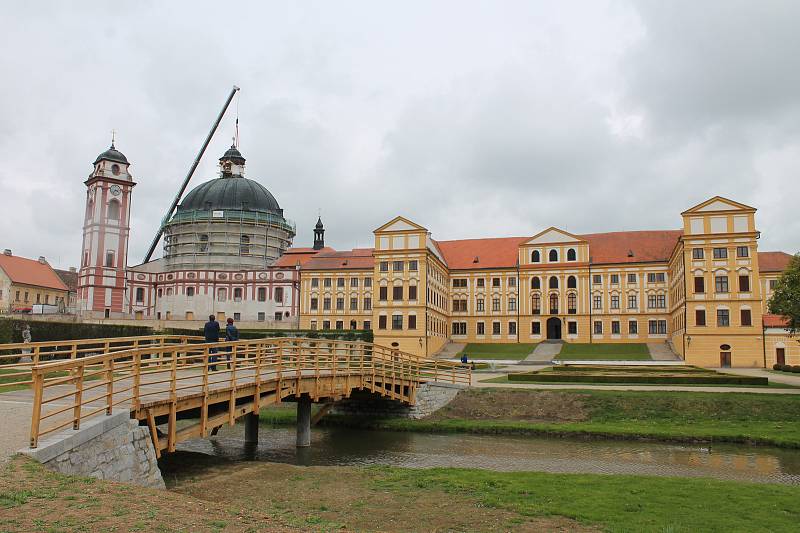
column 164, row 379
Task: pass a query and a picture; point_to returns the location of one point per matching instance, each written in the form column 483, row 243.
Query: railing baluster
column 109, row 374
column 36, row 415
column 76, row 409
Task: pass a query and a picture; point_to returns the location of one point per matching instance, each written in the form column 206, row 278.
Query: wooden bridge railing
column 18, row 359
column 69, row 391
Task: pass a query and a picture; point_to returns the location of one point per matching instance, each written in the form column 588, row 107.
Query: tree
column 785, row 300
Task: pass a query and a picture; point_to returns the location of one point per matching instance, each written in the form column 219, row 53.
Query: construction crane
column 189, row 174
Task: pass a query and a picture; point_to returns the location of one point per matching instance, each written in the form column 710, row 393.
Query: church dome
column 112, row 154
column 235, row 193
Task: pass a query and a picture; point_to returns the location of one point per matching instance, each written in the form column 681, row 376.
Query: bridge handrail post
column 36, row 354
column 36, row 415
column 232, row 394
column 109, row 385
column 76, row 408
column 257, row 389
column 204, row 405
column 137, row 380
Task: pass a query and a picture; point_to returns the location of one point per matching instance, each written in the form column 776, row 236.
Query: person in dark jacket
column 211, row 334
column 231, row 334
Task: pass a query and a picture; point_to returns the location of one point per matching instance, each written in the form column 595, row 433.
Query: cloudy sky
column 472, row 118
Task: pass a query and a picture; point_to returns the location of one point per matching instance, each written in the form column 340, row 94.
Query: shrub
column 786, row 368
column 776, row 366
column 796, row 369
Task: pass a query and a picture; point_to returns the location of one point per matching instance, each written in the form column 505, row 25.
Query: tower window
column 113, row 210
column 115, row 169
column 203, row 243
column 110, row 259
column 244, row 244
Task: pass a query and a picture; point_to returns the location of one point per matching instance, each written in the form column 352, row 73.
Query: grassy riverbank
column 443, row 499
column 763, row 419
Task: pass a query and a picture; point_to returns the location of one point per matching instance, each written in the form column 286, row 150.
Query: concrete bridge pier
column 251, row 428
column 303, row 421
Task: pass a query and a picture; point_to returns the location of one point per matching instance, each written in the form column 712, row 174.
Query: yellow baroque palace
column 702, row 289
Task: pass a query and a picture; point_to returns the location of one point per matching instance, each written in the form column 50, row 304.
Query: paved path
column 544, row 352
column 785, row 378
column 450, row 350
column 660, row 351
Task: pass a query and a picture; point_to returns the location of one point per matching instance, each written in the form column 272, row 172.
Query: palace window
column 340, row 304
column 597, row 279
column 632, row 301
column 327, row 282
column 412, row 323
column 572, row 328
column 189, row 292
column 367, row 304
column 339, row 323
column 720, row 253
column 384, row 267
column 459, row 283
column 262, row 294
column 279, row 294
column 572, row 283
column 383, row 293
column 412, row 266
column 536, row 328
column 222, row 295
column 495, row 304
column 553, row 256
column 495, row 282
column 615, row 327
column 480, row 328
column 495, row 328
column 744, row 283
column 459, row 306
column 597, row 302
column 615, row 279
column 397, row 321
column 721, row 283
column 382, row 322
column 772, row 284
column 536, row 304
column 140, row 295
column 598, row 327
column 367, row 325
column 571, row 256
column 631, row 279
column 746, row 317
column 742, row 251
column 340, row 282
column 397, row 266
column 326, row 304
column 512, row 304
column 535, row 256
column 481, row 282
column 536, row 283
column 512, row 328
column 553, row 283
column 553, row 304
column 572, row 303
column 697, row 253
column 633, row 327
column 314, row 304
column 326, row 324
column 459, row 328
column 237, row 294
column 354, row 304
column 367, row 282
column 723, row 318
column 699, row 317
column 479, row 304
column 412, row 292
column 512, row 282
column 699, row 284
column 397, row 292
column 354, row 283
column 614, row 301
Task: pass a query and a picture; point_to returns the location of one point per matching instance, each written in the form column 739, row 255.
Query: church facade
column 702, row 288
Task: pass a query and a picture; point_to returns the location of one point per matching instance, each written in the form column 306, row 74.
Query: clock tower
column 106, row 226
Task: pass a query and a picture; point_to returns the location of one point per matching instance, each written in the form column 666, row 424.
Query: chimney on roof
column 7, row 251
column 344, row 263
column 42, row 260
column 476, row 260
column 73, row 269
column 630, row 253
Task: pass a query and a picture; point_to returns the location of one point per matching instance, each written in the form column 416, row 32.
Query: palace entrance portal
column 554, row 328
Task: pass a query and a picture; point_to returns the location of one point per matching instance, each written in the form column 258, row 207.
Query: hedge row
column 632, row 378
column 642, row 369
column 11, row 330
column 787, row 368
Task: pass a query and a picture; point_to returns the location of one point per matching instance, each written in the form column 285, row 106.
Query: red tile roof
column 30, row 272
column 632, row 246
column 294, row 256
column 775, row 321
column 490, row 253
column 356, row 259
column 69, row 278
column 605, row 248
column 773, row 261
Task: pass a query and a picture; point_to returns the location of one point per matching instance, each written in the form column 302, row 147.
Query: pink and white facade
column 108, row 288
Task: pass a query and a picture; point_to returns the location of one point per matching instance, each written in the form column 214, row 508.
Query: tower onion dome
column 112, row 154
column 319, row 223
column 234, row 155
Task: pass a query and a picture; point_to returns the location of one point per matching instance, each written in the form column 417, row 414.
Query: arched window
column 554, row 304
column 113, row 210
column 204, row 243
column 572, row 302
column 244, row 244
column 536, row 283
column 572, row 283
column 536, row 303
column 535, row 256
column 553, row 282
column 571, row 254
column 553, row 256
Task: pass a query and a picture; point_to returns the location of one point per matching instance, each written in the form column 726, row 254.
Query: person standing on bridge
column 211, row 334
column 231, row 334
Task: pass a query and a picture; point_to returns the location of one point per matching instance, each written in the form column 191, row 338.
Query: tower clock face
column 115, row 190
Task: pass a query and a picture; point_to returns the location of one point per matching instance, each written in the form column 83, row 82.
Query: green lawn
column 606, row 352
column 616, row 503
column 766, row 419
column 516, row 351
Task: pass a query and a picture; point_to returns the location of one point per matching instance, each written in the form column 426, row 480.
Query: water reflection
column 348, row 447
